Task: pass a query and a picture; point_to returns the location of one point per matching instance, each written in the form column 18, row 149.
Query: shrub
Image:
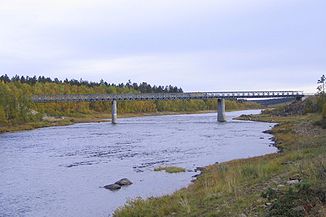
column 321, row 101
column 308, row 107
column 269, row 194
column 324, row 111
column 170, row 169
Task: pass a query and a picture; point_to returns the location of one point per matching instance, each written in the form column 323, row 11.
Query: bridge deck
column 166, row 96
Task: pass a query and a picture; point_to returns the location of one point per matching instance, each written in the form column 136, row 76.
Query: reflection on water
column 59, row 171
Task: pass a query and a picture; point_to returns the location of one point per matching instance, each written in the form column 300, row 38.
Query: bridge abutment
column 114, row 112
column 221, row 110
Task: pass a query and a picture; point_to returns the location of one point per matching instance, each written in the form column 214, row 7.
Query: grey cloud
column 277, row 44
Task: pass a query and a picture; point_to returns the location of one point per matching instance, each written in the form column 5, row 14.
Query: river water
column 60, row 171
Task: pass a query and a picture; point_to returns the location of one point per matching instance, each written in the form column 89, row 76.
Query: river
column 60, row 171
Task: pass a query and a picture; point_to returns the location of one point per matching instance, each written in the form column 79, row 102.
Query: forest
column 16, row 106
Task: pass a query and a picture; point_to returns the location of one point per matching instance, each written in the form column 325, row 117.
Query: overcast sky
column 200, row 45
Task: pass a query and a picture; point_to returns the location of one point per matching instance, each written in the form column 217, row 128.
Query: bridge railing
column 166, row 96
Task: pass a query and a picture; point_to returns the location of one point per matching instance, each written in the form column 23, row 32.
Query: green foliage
column 322, row 122
column 309, row 106
column 269, row 194
column 285, row 205
column 14, row 103
column 3, row 119
column 16, row 107
column 238, row 105
column 324, row 111
column 321, row 101
column 321, row 86
column 142, row 87
column 250, row 171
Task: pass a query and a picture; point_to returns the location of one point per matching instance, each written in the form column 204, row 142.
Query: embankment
column 290, row 183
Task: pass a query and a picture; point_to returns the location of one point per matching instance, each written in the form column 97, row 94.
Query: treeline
column 17, row 108
column 142, row 87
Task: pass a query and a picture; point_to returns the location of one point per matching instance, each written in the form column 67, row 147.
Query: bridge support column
column 221, row 110
column 114, row 112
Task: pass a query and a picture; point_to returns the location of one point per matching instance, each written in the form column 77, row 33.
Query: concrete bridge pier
column 114, row 111
column 221, row 110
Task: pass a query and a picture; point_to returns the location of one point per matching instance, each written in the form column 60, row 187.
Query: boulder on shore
column 201, row 169
column 268, row 131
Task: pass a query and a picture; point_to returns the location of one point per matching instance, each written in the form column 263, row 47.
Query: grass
column 170, row 169
column 255, row 186
column 34, row 125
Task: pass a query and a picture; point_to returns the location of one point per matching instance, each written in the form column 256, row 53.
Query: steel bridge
column 220, row 96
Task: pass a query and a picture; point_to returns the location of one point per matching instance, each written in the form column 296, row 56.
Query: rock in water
column 268, row 131
column 123, row 182
column 199, row 169
column 112, row 187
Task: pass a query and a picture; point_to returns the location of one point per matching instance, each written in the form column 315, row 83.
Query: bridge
column 220, row 96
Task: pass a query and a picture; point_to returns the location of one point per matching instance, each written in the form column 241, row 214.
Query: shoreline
column 92, row 118
column 89, row 118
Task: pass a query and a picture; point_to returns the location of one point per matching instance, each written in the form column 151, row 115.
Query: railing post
column 114, row 111
column 221, row 110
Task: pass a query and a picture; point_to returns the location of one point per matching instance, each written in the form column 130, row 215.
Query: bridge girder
column 166, row 96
